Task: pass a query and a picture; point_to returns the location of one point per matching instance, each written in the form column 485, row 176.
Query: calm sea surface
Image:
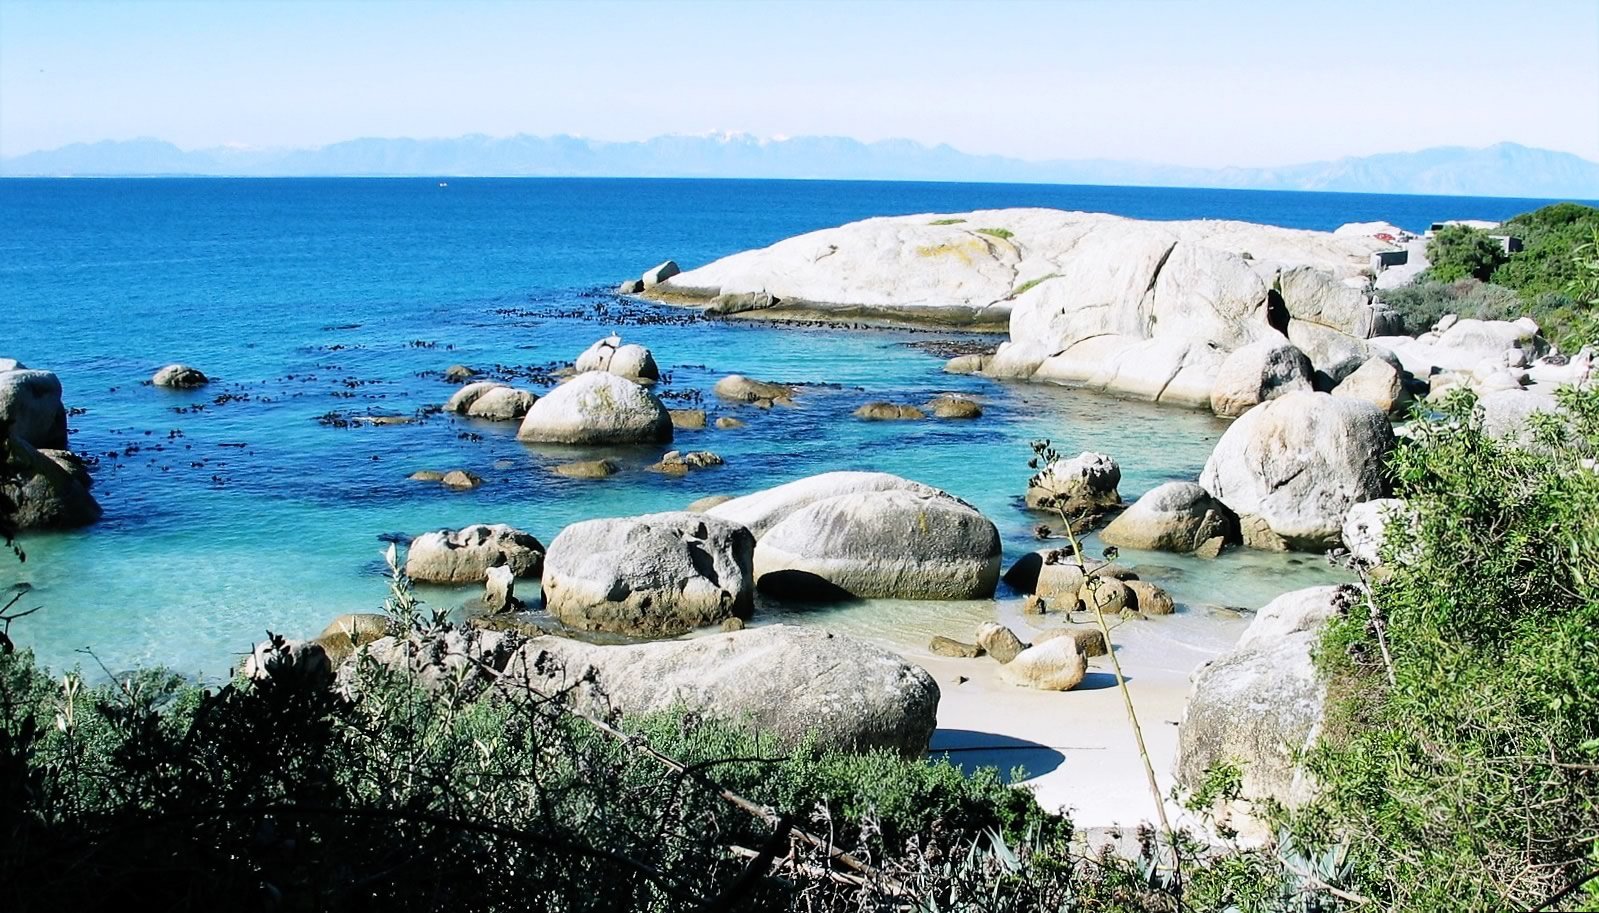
column 249, row 506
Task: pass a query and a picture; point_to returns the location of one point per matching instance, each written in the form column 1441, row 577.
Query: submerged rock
column 597, row 408
column 588, row 469
column 789, row 681
column 181, row 376
column 1292, row 467
column 687, row 419
column 465, row 555
column 655, row 575
column 741, row 389
column 949, row 405
column 880, row 411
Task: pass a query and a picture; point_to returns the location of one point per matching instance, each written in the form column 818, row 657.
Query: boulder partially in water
column 741, row 389
column 656, row 575
column 597, row 408
column 795, row 683
column 1084, row 486
column 1292, row 467
column 1174, row 517
column 465, row 555
column 492, row 401
column 888, row 412
column 628, row 360
column 30, row 402
column 47, row 489
column 180, row 376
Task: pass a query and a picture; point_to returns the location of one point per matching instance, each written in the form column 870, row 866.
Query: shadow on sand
column 971, row 750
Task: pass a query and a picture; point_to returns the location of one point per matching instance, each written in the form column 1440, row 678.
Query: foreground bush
column 1461, row 752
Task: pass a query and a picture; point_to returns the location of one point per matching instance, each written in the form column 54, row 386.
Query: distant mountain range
column 1505, row 169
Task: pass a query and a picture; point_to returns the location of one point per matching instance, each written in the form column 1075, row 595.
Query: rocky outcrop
column 180, row 376
column 655, row 575
column 30, row 403
column 1292, row 467
column 1377, row 382
column 902, row 543
column 1258, row 372
column 1148, row 309
column 465, row 555
column 45, row 489
column 1084, row 486
column 611, row 355
column 1260, row 705
column 492, row 401
column 793, row 683
column 597, row 408
column 1174, row 517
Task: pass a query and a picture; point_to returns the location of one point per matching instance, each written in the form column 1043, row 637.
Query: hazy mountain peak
column 1502, row 169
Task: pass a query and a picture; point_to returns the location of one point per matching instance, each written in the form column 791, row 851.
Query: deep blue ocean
column 251, row 505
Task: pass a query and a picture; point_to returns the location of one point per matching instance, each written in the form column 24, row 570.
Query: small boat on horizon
column 444, row 184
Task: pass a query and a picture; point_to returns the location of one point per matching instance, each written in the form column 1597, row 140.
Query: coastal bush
column 1004, row 234
column 1549, row 238
column 1421, row 304
column 1460, row 756
column 1460, row 252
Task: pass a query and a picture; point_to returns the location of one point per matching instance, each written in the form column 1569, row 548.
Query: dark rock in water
column 588, row 469
column 460, row 480
column 880, row 411
column 181, row 376
column 459, row 373
column 949, row 405
column 49, row 489
column 688, row 419
column 738, row 388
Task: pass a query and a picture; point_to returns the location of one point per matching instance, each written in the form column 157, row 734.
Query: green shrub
column 1459, row 252
column 1470, row 783
column 946, row 222
column 1549, row 237
column 1004, row 234
column 1421, row 304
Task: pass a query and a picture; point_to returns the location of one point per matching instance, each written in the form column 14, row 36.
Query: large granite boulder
column 46, row 489
column 765, row 509
column 30, row 402
column 896, row 544
column 1258, row 372
column 1083, row 486
column 1143, row 308
column 465, row 555
column 1057, row 664
column 597, row 408
column 610, row 354
column 492, row 401
column 1174, row 517
column 790, row 682
column 1377, row 382
column 656, row 575
column 1292, row 467
column 1260, row 705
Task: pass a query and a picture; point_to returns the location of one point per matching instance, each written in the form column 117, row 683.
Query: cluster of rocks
column 944, row 406
column 491, row 401
column 797, row 684
column 45, row 485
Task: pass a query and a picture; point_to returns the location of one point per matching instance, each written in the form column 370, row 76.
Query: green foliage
column 1550, row 237
column 1004, row 234
column 946, row 222
column 1458, row 252
column 1421, row 304
column 1470, row 783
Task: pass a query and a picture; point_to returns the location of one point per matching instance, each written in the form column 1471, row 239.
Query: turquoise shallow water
column 237, row 509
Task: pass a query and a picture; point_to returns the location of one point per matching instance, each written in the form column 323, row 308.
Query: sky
column 1193, row 83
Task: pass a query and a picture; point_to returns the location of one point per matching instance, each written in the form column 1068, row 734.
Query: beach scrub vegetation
column 1553, row 278
column 1459, row 759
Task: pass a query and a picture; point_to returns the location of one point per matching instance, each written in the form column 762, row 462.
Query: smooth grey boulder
column 741, row 389
column 1083, row 486
column 788, row 681
column 1261, row 704
column 897, row 544
column 765, row 509
column 597, row 408
column 1377, row 382
column 1174, row 517
column 48, row 489
column 465, row 555
column 610, row 354
column 1296, row 464
column 181, row 376
column 1057, row 664
column 1507, row 414
column 1258, row 372
column 30, row 401
column 492, row 401
column 656, row 575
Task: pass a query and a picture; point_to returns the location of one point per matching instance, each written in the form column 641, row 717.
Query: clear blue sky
column 1212, row 83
